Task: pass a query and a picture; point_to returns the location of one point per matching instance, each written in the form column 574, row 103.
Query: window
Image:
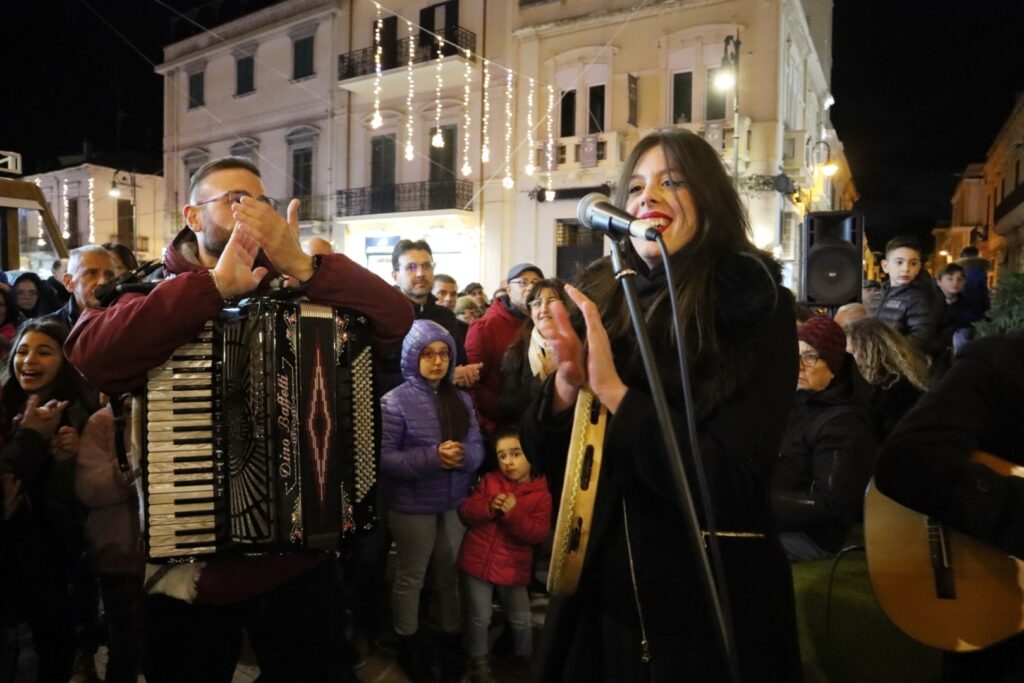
column 302, row 171
column 302, row 53
column 192, row 160
column 245, row 81
column 195, row 89
column 595, row 109
column 714, row 101
column 682, row 97
column 125, row 222
column 246, row 148
column 567, row 126
column 71, row 223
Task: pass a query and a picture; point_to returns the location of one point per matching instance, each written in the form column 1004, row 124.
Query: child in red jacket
column 507, row 514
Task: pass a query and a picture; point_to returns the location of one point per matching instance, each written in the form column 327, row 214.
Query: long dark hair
column 44, row 304
column 66, row 385
column 721, row 228
column 13, row 315
column 451, row 411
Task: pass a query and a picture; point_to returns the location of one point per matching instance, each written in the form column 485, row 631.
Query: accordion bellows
column 261, row 435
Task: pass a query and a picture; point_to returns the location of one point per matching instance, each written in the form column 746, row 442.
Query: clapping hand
column 234, row 274
column 41, row 418
column 279, row 238
column 451, row 454
column 573, row 369
column 64, row 443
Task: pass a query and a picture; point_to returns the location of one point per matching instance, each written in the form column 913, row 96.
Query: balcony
column 610, row 151
column 361, row 62
column 430, row 195
column 312, row 208
column 1009, row 213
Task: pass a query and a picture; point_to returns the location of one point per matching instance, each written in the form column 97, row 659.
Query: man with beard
column 196, row 612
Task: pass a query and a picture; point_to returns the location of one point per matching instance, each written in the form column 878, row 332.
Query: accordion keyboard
column 183, row 474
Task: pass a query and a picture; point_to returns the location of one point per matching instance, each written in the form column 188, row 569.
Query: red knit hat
column 827, row 338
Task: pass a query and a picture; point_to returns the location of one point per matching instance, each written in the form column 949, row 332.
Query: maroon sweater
column 115, row 347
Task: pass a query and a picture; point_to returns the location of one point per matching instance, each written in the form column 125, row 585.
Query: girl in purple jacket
column 430, row 451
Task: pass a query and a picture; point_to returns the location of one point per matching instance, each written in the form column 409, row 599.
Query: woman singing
column 640, row 612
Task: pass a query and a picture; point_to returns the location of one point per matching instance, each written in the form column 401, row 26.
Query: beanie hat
column 827, row 338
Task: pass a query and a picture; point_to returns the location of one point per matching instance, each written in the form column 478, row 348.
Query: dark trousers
column 289, row 629
column 122, row 602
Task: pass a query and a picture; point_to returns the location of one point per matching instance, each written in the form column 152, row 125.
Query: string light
column 530, row 168
column 377, row 120
column 466, row 168
column 92, row 211
column 507, row 181
column 65, row 201
column 485, row 151
column 410, row 151
column 438, row 139
column 550, row 194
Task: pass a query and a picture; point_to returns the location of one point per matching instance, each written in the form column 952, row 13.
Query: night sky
column 921, row 88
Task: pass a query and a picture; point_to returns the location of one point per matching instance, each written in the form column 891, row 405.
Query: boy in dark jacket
column 507, row 513
column 910, row 301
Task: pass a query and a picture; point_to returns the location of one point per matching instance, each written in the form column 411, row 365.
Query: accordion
column 261, row 435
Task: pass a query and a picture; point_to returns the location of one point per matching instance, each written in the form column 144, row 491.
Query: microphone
column 596, row 212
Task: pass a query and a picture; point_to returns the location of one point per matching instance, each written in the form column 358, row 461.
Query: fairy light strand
column 377, row 121
column 530, row 143
column 410, row 149
column 438, row 139
column 550, row 195
column 507, row 181
column 466, row 121
column 485, row 151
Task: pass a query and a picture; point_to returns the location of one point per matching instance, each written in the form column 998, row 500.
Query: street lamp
column 128, row 178
column 728, row 76
column 828, row 167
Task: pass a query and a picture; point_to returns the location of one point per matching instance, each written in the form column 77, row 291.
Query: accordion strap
column 120, row 447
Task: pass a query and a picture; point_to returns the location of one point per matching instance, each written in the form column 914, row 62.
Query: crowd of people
column 476, row 395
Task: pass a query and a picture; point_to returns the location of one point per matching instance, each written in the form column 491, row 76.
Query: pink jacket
column 112, row 528
column 498, row 549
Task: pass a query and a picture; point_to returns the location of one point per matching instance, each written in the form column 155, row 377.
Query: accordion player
column 261, row 435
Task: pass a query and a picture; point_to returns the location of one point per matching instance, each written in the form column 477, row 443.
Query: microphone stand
column 719, row 617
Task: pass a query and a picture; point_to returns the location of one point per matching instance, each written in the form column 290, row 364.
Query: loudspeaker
column 832, row 266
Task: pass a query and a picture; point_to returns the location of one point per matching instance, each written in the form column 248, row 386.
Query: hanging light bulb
column 438, row 139
column 507, row 182
column 485, row 151
column 549, row 195
column 377, row 121
column 530, row 168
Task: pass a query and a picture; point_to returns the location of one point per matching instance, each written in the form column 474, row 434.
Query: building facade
column 429, row 120
column 82, row 203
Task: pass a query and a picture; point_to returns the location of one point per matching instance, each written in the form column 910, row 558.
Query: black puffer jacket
column 827, row 458
column 913, row 310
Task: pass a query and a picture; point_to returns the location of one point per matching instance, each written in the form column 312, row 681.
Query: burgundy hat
column 827, row 338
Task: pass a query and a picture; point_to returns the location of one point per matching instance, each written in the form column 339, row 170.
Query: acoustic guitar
column 939, row 586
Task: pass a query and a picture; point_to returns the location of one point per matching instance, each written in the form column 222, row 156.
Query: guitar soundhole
column 588, row 467
column 575, row 534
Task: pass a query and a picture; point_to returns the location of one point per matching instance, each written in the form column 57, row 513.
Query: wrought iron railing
column 312, row 208
column 361, row 63
column 430, row 195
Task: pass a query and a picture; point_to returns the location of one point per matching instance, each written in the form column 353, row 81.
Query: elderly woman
column 829, row 450
column 528, row 360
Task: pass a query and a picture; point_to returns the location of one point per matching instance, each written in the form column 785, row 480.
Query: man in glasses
column 489, row 338
column 235, row 243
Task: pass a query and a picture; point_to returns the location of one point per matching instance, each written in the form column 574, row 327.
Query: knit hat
column 520, row 268
column 827, row 338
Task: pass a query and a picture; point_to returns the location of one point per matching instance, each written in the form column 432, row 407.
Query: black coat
column 827, row 458
column 978, row 405
column 913, row 310
column 742, row 396
column 389, row 373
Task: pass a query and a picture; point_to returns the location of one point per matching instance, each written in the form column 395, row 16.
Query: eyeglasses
column 235, row 197
column 411, row 268
column 523, row 282
column 809, row 359
column 432, row 356
column 538, row 302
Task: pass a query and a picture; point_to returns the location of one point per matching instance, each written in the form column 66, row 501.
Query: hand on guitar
column 451, row 454
column 502, row 504
column 573, row 369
